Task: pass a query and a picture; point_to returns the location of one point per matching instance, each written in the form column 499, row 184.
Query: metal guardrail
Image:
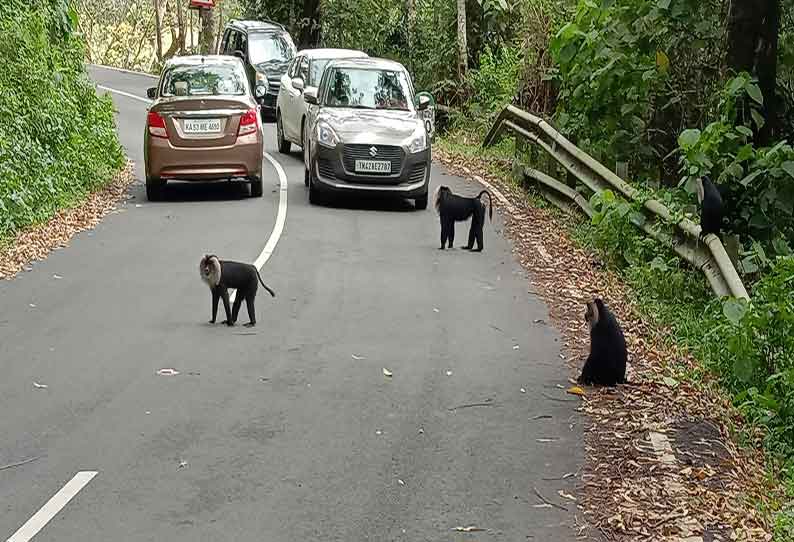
column 708, row 255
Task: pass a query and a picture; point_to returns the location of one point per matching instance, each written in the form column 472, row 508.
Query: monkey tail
column 490, row 203
column 272, row 293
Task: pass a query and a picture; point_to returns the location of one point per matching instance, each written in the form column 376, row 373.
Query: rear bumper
column 330, row 175
column 243, row 159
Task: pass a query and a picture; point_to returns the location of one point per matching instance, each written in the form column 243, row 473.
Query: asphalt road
column 292, row 433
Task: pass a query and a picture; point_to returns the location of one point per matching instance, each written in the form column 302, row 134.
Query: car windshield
column 363, row 88
column 204, row 80
column 269, row 48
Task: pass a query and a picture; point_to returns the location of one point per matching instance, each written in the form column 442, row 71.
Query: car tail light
column 249, row 123
column 156, row 124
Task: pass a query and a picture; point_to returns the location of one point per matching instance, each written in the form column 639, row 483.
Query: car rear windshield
column 364, row 88
column 204, row 80
column 266, row 47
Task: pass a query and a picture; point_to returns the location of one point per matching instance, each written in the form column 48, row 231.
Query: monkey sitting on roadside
column 606, row 364
column 711, row 210
column 220, row 275
column 452, row 208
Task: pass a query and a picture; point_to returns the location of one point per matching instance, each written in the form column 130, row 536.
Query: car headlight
column 261, row 78
column 326, row 135
column 418, row 142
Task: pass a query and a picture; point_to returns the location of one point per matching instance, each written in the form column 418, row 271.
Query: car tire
column 284, row 145
column 421, row 203
column 306, row 173
column 256, row 187
column 155, row 189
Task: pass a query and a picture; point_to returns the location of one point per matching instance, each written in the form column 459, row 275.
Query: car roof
column 195, row 60
column 256, row 26
column 332, row 53
column 369, row 62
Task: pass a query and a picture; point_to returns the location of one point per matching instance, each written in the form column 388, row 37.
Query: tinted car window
column 205, row 80
column 269, row 47
column 367, row 89
column 316, row 70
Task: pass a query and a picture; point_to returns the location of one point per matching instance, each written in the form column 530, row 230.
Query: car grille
column 326, row 169
column 393, row 154
column 417, row 174
column 273, row 86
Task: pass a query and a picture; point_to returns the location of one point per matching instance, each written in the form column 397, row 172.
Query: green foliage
column 494, row 83
column 625, row 71
column 616, row 231
column 752, row 346
column 57, row 138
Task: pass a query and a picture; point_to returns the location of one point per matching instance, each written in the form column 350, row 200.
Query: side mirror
column 297, row 83
column 424, row 103
column 239, row 54
column 310, row 96
column 260, row 91
column 151, row 93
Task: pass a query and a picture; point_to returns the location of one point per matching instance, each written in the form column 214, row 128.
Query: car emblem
column 373, row 151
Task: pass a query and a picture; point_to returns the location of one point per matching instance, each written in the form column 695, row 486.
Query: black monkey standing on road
column 606, row 364
column 220, row 275
column 452, row 208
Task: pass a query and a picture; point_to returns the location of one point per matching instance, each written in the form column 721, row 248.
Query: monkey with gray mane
column 606, row 364
column 220, row 275
column 452, row 208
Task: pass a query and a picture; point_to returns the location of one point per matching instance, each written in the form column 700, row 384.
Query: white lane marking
column 122, row 70
column 53, row 506
column 281, row 217
column 127, row 94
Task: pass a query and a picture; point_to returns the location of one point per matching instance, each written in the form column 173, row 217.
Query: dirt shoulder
column 660, row 461
column 36, row 242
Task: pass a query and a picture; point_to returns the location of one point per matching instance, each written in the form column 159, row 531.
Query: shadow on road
column 176, row 191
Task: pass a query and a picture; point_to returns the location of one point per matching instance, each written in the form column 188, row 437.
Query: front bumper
column 333, row 172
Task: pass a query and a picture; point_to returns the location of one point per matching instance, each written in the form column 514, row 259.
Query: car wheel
column 256, row 187
column 284, row 146
column 306, row 173
column 155, row 189
column 421, row 203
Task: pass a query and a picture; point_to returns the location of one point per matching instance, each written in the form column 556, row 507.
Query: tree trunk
column 180, row 23
column 207, row 31
column 158, row 29
column 310, row 24
column 753, row 29
column 463, row 55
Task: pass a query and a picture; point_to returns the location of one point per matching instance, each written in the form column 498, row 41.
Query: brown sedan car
column 203, row 125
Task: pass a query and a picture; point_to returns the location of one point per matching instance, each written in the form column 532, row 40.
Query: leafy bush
column 495, row 82
column 57, row 138
column 630, row 72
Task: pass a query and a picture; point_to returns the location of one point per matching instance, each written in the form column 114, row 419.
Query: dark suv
column 266, row 49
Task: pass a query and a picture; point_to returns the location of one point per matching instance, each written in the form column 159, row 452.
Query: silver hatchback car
column 365, row 134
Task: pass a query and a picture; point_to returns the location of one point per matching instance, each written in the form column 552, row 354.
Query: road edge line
column 52, row 507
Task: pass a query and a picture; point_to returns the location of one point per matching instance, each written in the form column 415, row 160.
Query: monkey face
column 210, row 270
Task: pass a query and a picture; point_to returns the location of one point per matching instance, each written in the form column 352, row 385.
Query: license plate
column 202, row 126
column 373, row 166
